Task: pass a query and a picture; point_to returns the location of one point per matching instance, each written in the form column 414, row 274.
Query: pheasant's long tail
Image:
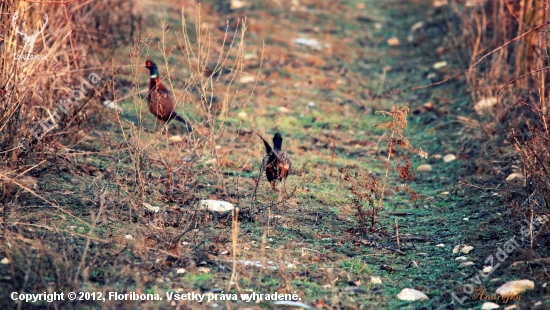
column 268, row 148
column 181, row 119
column 178, row 118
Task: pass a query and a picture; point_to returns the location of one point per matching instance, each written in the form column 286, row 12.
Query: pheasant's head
column 152, row 68
column 277, row 141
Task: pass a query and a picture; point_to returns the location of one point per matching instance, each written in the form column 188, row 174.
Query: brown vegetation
column 508, row 46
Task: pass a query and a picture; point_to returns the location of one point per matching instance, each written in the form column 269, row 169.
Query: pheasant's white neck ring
column 153, row 76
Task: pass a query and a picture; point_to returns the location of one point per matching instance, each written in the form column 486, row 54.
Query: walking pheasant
column 276, row 162
column 160, row 100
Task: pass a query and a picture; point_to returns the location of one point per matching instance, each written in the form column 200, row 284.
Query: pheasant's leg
column 283, row 188
column 165, row 128
column 280, row 195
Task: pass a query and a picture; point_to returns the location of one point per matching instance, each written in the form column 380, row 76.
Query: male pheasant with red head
column 276, row 162
column 160, row 100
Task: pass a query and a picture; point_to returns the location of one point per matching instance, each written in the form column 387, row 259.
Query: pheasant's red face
column 148, row 64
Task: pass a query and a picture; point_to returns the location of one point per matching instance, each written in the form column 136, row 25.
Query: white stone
column 417, row 26
column 489, row 306
column 449, row 158
column 216, row 205
column 424, row 168
column 150, row 207
column 411, row 295
column 514, row 288
column 440, row 64
column 393, row 41
column 290, row 303
column 485, row 104
column 312, row 43
column 237, row 4
column 438, row 3
column 514, row 176
column 247, row 79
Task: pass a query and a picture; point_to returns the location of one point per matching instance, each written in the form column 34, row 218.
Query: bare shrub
column 371, row 190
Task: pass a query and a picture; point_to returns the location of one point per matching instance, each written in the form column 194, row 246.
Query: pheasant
column 276, row 162
column 160, row 100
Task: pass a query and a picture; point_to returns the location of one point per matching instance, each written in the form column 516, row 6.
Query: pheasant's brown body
column 277, row 169
column 160, row 100
column 276, row 162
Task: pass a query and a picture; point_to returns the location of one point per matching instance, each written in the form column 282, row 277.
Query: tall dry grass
column 510, row 37
column 507, row 41
column 66, row 61
column 35, row 76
